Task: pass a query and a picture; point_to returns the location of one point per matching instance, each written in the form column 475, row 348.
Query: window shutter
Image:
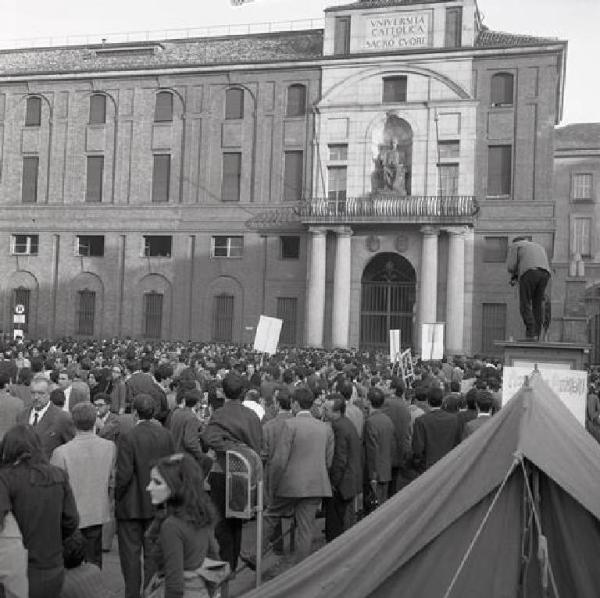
column 286, row 311
column 342, row 35
column 493, row 326
column 499, row 170
column 232, row 170
column 501, row 90
column 223, row 318
column 86, row 312
column 30, row 179
column 161, row 178
column 33, row 114
column 453, row 36
column 97, row 109
column 296, row 100
column 336, row 182
column 95, row 174
column 394, row 89
column 153, row 308
column 234, row 103
column 163, row 110
column 292, row 186
column 448, row 179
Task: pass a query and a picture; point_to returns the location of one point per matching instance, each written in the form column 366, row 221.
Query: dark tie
column 36, row 417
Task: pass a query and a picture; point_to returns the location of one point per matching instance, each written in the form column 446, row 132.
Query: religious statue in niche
column 390, row 166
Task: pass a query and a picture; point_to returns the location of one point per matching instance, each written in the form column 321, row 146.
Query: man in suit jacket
column 484, row 402
column 143, row 382
column 108, row 425
column 184, row 426
column 52, row 425
column 435, row 433
column 300, row 478
column 345, row 472
column 10, row 406
column 381, row 446
column 90, row 461
column 137, row 450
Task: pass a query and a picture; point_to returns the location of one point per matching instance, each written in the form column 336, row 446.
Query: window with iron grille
column 222, row 320
column 95, row 174
column 292, row 179
column 290, row 247
column 161, row 178
column 495, row 249
column 232, row 247
column 342, row 35
column 22, row 296
column 493, row 326
column 453, row 36
column 286, row 311
column 448, row 179
column 338, row 151
column 97, row 109
column 157, row 246
column 29, row 182
column 86, row 311
column 163, row 109
column 499, row 183
column 232, row 174
column 24, row 244
column 581, row 186
column 33, row 112
column 394, row 89
column 153, row 310
column 502, row 89
column 296, row 100
column 234, row 103
column 90, row 246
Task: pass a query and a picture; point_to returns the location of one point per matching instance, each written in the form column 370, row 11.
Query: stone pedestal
column 574, row 356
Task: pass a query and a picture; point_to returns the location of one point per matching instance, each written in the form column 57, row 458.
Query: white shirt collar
column 40, row 413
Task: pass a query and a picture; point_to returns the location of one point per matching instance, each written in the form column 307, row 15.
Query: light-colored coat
column 90, row 462
column 302, row 458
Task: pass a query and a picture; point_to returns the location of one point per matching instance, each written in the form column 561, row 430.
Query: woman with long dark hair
column 184, row 526
column 40, row 497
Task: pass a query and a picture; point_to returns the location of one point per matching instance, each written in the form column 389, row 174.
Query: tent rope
column 518, row 459
column 543, row 555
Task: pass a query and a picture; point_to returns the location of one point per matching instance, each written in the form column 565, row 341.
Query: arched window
column 163, row 111
column 97, row 109
column 502, row 89
column 33, row 114
column 296, row 100
column 234, row 103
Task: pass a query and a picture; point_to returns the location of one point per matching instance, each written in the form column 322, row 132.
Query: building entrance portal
column 388, row 295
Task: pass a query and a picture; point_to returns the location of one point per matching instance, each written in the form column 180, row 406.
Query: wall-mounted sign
column 397, row 31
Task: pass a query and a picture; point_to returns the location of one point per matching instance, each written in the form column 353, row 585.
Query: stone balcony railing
column 434, row 209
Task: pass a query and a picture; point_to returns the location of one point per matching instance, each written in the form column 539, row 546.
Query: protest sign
column 394, row 345
column 569, row 385
column 432, row 341
column 267, row 334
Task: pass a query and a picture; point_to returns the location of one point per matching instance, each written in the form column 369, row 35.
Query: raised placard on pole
column 394, row 345
column 432, row 341
column 267, row 334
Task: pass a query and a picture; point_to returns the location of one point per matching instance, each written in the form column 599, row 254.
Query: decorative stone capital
column 430, row 231
column 456, row 230
column 343, row 231
column 317, row 231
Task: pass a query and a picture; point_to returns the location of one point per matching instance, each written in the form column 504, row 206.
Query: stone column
column 455, row 292
column 315, row 293
column 428, row 286
column 341, row 289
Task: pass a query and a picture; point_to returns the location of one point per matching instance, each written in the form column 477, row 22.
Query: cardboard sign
column 267, row 334
column 432, row 341
column 570, row 386
column 394, row 345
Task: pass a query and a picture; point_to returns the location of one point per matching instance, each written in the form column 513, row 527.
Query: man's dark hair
column 146, row 365
column 284, row 400
column 215, row 400
column 192, row 397
column 376, row 397
column 4, row 378
column 233, row 387
column 435, row 396
column 57, row 397
column 37, row 365
column 339, row 403
column 163, row 371
column 143, row 404
column 421, row 393
column 346, row 388
column 400, row 389
column 84, row 416
column 485, row 401
column 471, row 398
column 304, row 397
column 288, row 376
column 454, row 386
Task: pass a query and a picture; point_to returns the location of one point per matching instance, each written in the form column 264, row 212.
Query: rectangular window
column 157, row 246
column 227, row 246
column 290, row 248
column 90, row 246
column 234, row 103
column 449, row 150
column 97, row 109
column 163, row 108
column 232, row 173
column 499, row 183
column 222, row 328
column 86, row 312
column 24, row 244
column 287, row 308
column 448, row 181
column 394, row 89
column 336, row 182
column 582, row 238
column 493, row 326
column 338, row 151
column 33, row 112
column 22, row 296
column 153, row 310
column 342, row 35
column 296, row 100
column 29, row 183
column 161, row 178
column 581, row 186
column 495, row 249
column 453, row 27
column 95, row 175
column 292, row 179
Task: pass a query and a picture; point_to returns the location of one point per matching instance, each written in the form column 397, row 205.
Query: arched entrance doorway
column 388, row 294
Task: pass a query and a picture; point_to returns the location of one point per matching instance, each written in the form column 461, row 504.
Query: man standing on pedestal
column 528, row 264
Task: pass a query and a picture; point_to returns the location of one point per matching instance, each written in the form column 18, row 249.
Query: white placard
column 432, row 341
column 17, row 334
column 394, row 346
column 570, row 386
column 267, row 334
column 19, row 318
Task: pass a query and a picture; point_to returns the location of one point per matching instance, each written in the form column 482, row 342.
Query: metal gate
column 153, row 308
column 388, row 296
column 86, row 313
column 223, row 318
column 286, row 311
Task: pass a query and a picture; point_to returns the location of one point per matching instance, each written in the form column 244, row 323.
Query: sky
column 573, row 20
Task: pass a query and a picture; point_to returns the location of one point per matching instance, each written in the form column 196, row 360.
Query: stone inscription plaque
column 397, row 31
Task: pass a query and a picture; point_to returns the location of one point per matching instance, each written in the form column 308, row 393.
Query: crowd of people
column 122, row 437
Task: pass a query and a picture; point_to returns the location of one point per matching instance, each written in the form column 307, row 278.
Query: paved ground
column 244, row 579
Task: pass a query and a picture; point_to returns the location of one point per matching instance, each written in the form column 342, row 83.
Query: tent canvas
column 413, row 545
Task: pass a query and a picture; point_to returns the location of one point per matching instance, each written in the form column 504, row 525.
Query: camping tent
column 514, row 510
